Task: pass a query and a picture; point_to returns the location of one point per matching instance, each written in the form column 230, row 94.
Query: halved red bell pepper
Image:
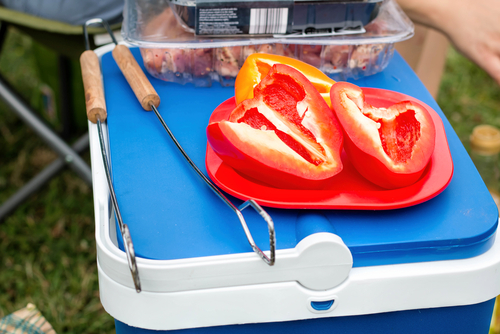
column 286, row 136
column 390, row 147
column 257, row 65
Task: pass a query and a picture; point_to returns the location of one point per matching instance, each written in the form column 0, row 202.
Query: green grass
column 47, row 246
column 468, row 96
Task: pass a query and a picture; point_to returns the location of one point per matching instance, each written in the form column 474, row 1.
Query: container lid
column 150, row 24
column 173, row 215
column 485, row 139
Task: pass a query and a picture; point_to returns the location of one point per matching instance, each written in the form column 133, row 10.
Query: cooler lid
column 172, row 214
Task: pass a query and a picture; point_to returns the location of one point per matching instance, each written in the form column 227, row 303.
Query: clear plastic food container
column 261, row 17
column 173, row 53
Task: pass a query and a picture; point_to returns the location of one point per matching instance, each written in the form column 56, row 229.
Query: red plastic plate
column 348, row 189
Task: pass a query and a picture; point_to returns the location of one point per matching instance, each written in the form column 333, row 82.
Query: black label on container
column 237, row 18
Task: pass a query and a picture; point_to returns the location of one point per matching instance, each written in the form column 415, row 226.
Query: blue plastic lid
column 172, row 214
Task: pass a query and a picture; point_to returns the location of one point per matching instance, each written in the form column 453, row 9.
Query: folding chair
column 68, row 42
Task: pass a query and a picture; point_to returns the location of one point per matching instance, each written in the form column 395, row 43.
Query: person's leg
column 75, row 12
column 426, row 53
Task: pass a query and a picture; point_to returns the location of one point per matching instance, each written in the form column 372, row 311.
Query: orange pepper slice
column 257, row 65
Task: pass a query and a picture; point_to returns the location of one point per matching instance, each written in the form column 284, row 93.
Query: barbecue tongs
column 96, row 113
column 150, row 100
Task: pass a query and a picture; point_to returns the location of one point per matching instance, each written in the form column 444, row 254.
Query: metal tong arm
column 150, row 100
column 255, row 205
column 96, row 113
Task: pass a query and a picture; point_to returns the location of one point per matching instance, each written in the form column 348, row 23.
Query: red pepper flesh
column 390, row 147
column 286, row 136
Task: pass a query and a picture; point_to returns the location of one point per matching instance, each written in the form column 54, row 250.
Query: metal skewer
column 96, row 113
column 150, row 100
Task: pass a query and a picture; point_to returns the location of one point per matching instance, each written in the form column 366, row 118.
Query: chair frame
column 68, row 155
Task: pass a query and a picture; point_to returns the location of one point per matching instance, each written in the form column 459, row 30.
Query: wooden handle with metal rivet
column 136, row 78
column 92, row 84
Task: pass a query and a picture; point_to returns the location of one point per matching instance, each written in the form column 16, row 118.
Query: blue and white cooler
column 425, row 260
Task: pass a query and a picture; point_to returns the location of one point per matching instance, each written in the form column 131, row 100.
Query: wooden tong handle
column 136, row 78
column 92, row 84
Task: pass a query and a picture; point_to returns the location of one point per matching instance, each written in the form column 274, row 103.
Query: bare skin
column 472, row 26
